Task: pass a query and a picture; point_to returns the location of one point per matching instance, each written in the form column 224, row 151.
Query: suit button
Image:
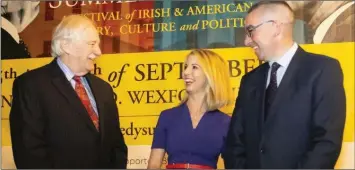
column 262, row 150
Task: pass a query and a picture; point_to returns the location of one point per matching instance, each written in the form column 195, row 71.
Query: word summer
column 57, row 4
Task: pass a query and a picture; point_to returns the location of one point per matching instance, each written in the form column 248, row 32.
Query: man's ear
column 65, row 46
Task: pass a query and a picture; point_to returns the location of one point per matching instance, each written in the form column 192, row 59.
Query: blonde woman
column 193, row 133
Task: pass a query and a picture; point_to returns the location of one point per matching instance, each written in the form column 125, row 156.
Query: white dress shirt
column 284, row 61
column 70, row 75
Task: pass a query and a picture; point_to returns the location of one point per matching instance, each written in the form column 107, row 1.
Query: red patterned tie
column 80, row 90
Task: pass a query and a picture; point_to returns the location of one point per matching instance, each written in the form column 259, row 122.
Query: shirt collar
column 67, row 72
column 285, row 60
column 10, row 28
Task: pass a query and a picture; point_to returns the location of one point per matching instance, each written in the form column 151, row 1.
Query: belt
column 187, row 166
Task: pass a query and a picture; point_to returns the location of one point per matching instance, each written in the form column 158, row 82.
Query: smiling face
column 206, row 77
column 259, row 34
column 84, row 51
column 269, row 29
column 194, row 77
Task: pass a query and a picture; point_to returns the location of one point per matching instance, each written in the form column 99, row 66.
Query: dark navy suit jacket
column 306, row 120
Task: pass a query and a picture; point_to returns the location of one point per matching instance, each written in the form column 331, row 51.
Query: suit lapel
column 258, row 93
column 64, row 87
column 287, row 85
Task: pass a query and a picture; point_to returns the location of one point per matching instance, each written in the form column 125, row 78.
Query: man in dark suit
column 290, row 111
column 62, row 116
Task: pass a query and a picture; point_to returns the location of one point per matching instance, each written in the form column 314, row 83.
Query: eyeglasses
column 250, row 28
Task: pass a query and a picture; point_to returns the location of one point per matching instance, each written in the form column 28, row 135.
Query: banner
column 144, row 45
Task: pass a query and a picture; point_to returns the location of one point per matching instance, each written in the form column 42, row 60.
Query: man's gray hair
column 70, row 28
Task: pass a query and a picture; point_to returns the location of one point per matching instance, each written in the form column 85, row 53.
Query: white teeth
column 188, row 81
column 255, row 47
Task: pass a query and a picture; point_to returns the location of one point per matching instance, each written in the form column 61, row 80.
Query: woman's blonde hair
column 218, row 91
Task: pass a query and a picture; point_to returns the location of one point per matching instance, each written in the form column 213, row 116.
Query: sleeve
column 234, row 151
column 160, row 132
column 329, row 112
column 27, row 126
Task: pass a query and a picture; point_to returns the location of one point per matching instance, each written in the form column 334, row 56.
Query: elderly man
column 290, row 111
column 62, row 116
